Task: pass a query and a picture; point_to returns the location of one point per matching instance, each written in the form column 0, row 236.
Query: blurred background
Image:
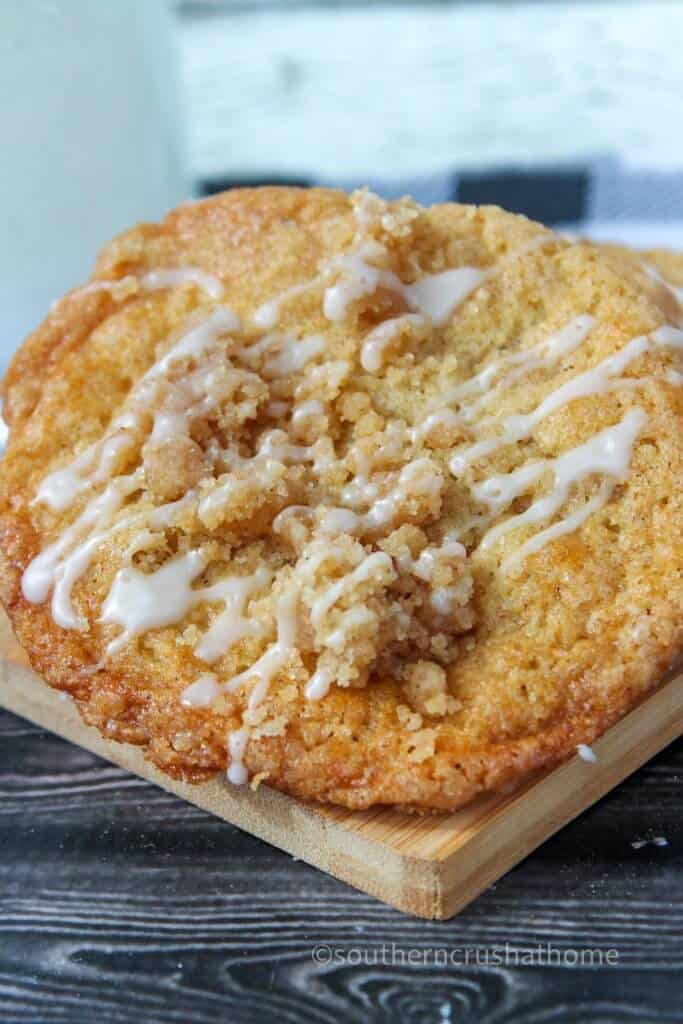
column 411, row 90
column 567, row 111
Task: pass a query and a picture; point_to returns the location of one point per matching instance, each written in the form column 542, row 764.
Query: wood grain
column 431, row 866
column 119, row 903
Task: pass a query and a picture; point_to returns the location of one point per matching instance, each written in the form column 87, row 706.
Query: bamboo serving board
column 431, row 866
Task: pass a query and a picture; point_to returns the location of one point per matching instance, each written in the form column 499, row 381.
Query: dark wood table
column 123, row 904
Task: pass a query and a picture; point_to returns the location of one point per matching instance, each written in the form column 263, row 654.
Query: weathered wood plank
column 120, row 903
column 431, row 866
column 107, row 915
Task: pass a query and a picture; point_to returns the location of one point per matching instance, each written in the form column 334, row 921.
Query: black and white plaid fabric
column 604, row 198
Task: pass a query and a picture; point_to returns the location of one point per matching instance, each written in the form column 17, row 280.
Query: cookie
column 375, row 504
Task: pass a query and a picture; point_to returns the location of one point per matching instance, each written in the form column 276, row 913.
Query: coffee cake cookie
column 374, row 503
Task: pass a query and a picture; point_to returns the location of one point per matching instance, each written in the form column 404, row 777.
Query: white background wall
column 416, row 88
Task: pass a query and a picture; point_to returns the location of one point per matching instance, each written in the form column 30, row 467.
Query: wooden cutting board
column 431, row 866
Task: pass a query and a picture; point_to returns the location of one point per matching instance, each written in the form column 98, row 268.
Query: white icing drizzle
column 360, row 491
column 274, row 450
column 434, row 421
column 425, row 565
column 305, row 411
column 543, row 355
column 567, row 525
column 275, row 657
column 332, row 520
column 358, row 272
column 353, row 617
column 444, row 599
column 520, row 426
column 292, row 512
column 474, row 385
column 206, row 689
column 553, row 348
column 419, row 477
column 675, row 290
column 61, row 564
column 188, row 398
column 370, row 565
column 668, row 336
column 294, row 357
column 196, row 342
column 434, row 295
column 202, row 692
column 608, row 453
column 166, row 515
column 268, row 315
column 237, row 746
column 333, row 372
column 64, row 561
column 318, row 686
column 129, row 281
column 92, row 466
column 139, row 601
column 356, row 278
column 336, row 519
column 231, row 625
column 290, row 355
column 376, row 564
column 540, row 357
column 439, row 295
column 262, row 471
column 376, row 343
column 156, row 280
column 275, row 444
